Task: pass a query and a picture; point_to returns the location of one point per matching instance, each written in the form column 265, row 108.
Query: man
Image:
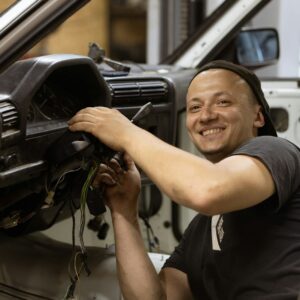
column 245, row 242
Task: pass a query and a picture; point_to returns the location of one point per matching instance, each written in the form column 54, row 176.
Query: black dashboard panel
column 37, row 98
column 130, row 93
column 44, row 93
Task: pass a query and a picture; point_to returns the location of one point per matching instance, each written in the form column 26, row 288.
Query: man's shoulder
column 276, row 153
column 267, row 143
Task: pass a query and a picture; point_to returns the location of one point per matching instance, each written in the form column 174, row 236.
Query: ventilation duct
column 8, row 115
column 134, row 92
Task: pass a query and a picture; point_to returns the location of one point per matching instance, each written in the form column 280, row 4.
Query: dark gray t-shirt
column 252, row 253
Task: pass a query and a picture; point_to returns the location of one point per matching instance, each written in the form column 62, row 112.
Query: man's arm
column 137, row 276
column 234, row 183
column 175, row 284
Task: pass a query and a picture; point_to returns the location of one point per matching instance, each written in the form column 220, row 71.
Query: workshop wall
column 89, row 24
column 120, row 29
column 5, row 3
column 128, row 31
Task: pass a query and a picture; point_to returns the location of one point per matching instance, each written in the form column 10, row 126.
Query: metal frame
column 211, row 38
column 34, row 26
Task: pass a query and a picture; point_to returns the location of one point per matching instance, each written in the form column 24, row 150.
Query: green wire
column 83, row 198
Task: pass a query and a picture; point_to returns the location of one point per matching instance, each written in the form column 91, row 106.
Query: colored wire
column 83, row 198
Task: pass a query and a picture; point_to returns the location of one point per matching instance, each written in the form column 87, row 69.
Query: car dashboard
column 37, row 98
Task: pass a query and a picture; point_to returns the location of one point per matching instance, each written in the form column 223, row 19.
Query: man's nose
column 207, row 114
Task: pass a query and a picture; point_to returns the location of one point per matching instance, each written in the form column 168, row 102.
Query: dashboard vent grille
column 132, row 92
column 9, row 115
column 153, row 89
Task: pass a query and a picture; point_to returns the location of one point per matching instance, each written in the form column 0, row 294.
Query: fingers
column 115, row 165
column 105, row 175
column 103, row 178
column 109, row 173
column 112, row 168
column 89, row 114
column 85, row 120
column 129, row 163
column 122, row 162
column 82, row 126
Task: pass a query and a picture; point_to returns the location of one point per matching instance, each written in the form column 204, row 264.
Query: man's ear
column 260, row 119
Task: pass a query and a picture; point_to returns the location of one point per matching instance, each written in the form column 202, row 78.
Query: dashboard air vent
column 134, row 92
column 8, row 115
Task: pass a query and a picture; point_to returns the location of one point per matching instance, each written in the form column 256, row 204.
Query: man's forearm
column 137, row 276
column 176, row 172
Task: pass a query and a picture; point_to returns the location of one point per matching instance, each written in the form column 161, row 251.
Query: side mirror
column 257, row 47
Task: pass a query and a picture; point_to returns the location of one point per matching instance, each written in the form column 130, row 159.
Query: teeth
column 211, row 131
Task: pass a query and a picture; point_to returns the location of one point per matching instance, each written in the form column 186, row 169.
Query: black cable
column 73, row 235
column 75, row 278
column 150, row 231
column 73, row 223
column 71, row 288
column 148, row 238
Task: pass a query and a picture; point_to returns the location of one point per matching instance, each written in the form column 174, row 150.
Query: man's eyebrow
column 216, row 94
column 194, row 99
column 222, row 93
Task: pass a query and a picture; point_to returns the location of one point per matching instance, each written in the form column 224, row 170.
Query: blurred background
column 149, row 30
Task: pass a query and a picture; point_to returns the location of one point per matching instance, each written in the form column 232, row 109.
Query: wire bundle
column 79, row 258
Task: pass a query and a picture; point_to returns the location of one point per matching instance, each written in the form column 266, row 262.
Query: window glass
column 280, row 118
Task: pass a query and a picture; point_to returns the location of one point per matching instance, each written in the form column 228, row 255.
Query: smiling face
column 222, row 113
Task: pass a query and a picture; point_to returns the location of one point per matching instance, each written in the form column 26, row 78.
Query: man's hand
column 108, row 125
column 122, row 187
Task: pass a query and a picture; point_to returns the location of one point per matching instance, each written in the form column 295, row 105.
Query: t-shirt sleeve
column 282, row 158
column 177, row 258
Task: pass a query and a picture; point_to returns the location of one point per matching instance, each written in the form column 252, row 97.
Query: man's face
column 221, row 113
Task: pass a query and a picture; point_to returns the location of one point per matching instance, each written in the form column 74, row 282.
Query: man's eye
column 223, row 102
column 194, row 108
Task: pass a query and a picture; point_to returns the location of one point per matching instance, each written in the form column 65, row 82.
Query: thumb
column 129, row 162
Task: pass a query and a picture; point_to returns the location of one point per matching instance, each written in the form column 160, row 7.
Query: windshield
column 120, row 28
column 24, row 23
